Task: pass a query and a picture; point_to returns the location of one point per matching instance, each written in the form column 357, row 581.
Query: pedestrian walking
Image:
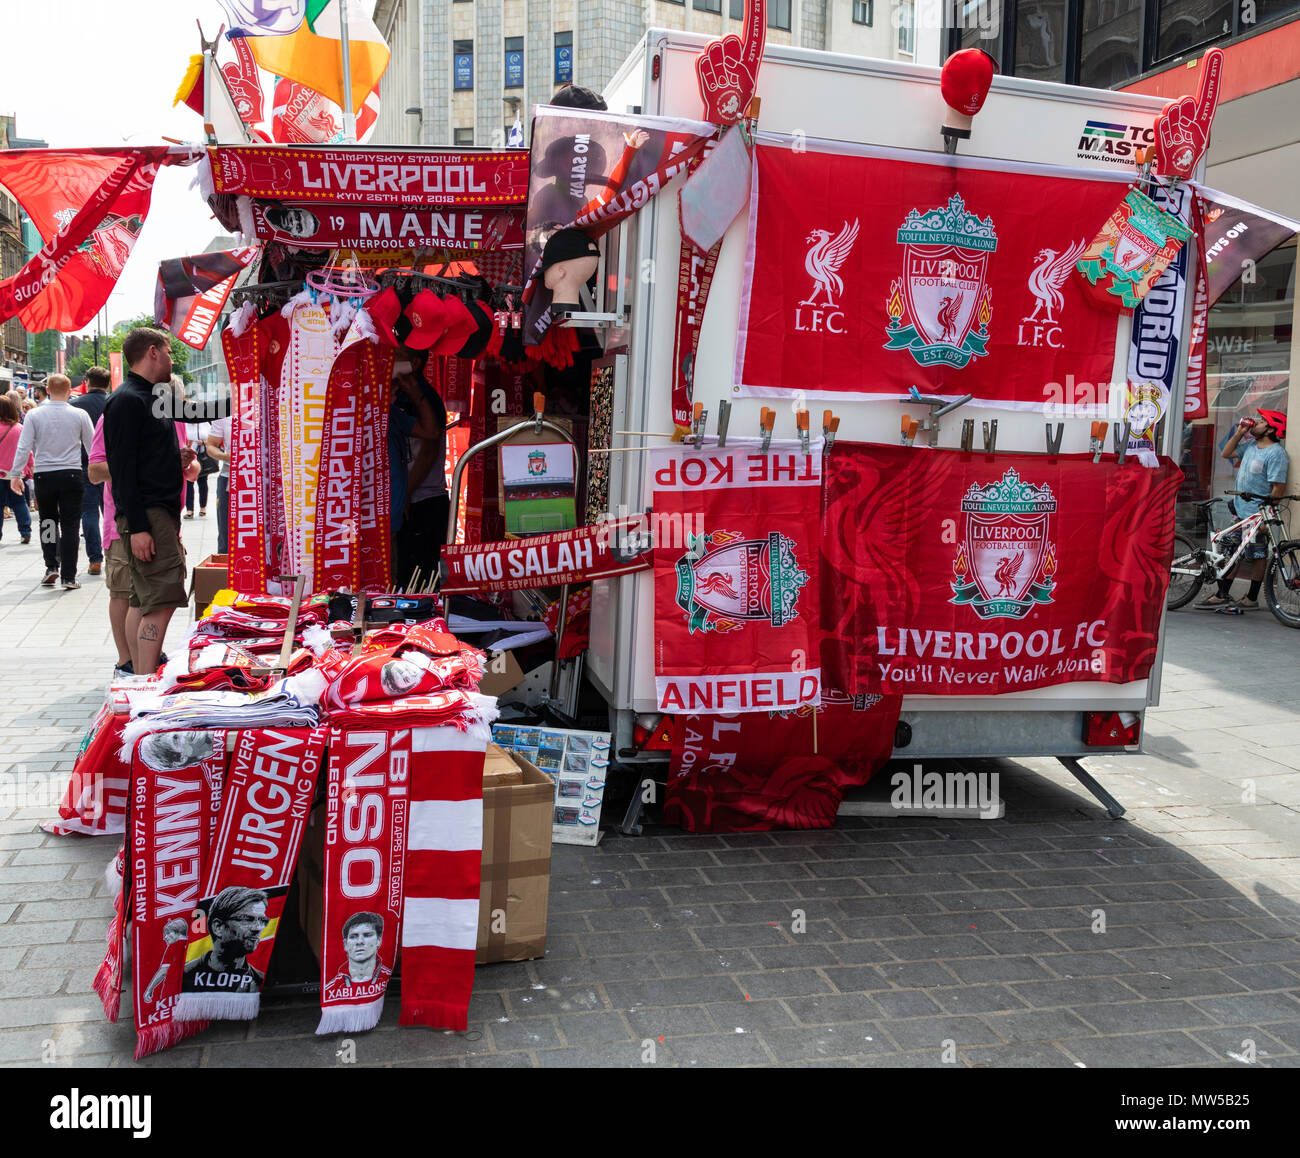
column 196, row 437
column 146, row 466
column 14, row 498
column 93, row 402
column 56, row 433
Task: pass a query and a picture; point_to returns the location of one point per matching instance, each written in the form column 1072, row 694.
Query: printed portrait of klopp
column 362, row 934
column 236, row 920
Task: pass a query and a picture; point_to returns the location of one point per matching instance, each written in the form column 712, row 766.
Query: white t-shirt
column 220, row 427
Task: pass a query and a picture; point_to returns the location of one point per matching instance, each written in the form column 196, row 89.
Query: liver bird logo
column 1005, row 575
column 1047, row 278
column 717, row 584
column 824, row 260
column 947, row 319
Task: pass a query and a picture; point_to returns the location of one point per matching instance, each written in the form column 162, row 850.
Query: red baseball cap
column 428, row 318
column 384, row 309
column 965, row 80
column 459, row 323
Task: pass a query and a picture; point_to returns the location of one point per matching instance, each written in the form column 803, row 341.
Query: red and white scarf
column 247, row 505
column 94, row 802
column 264, row 810
column 443, row 869
column 376, row 483
column 367, row 801
column 173, row 815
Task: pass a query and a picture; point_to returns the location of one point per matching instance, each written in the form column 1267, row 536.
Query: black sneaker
column 71, row 585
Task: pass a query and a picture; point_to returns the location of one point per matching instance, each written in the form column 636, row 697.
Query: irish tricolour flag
column 312, row 56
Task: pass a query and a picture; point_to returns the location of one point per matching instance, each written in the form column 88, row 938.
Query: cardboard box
column 516, row 867
column 210, row 576
column 499, row 770
column 502, row 673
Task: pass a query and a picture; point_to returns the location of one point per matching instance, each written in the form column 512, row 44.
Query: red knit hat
column 964, row 83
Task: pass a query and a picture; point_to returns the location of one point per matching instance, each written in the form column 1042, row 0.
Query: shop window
column 514, row 62
column 737, row 9
column 564, row 58
column 1186, row 24
column 1112, row 31
column 1040, row 40
column 1248, row 361
column 906, row 17
column 462, row 60
column 708, row 5
column 778, row 14
column 862, row 12
column 462, row 136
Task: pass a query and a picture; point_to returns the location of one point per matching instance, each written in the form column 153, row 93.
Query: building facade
column 461, row 70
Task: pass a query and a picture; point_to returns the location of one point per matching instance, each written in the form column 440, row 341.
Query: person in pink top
column 122, row 617
column 11, row 495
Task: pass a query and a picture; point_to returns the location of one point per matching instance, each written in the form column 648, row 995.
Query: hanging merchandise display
column 736, row 577
column 303, row 116
column 728, row 775
column 265, row 800
column 192, row 291
column 95, row 800
column 867, row 274
column 176, row 780
column 951, row 574
column 1182, row 130
column 1132, row 251
column 1237, row 235
column 727, row 69
column 589, row 171
column 90, row 205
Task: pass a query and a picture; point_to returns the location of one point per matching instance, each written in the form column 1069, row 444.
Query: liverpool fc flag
column 313, row 55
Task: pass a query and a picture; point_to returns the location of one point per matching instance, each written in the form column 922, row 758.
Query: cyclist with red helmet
column 1261, row 470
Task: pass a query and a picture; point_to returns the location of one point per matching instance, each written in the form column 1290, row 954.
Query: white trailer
column 885, row 104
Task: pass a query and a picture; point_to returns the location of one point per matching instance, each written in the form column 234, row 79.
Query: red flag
column 303, row 116
column 91, row 204
column 736, row 561
column 867, row 275
column 950, row 574
column 191, row 291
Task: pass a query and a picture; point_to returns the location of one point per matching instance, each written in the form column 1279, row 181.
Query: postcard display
column 578, row 762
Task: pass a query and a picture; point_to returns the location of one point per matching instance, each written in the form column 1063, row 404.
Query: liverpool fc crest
column 939, row 310
column 1006, row 563
column 725, row 581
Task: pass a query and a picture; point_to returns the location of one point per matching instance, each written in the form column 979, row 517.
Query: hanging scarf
column 443, row 869
column 173, row 814
column 338, row 503
column 264, row 810
column 94, row 802
column 367, row 806
column 108, row 978
column 376, row 483
column 247, row 504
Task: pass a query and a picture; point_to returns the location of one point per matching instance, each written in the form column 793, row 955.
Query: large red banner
column 739, row 773
column 90, row 205
column 736, row 561
column 952, row 574
column 867, row 275
column 366, row 177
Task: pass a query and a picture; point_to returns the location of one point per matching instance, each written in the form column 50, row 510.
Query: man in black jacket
column 93, row 402
column 145, row 463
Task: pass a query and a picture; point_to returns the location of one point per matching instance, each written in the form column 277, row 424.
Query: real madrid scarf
column 175, row 798
column 264, row 811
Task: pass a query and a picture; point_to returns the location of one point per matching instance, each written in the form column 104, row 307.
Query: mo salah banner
column 576, row 556
column 868, row 273
column 952, row 574
column 410, row 227
column 369, row 177
column 736, row 563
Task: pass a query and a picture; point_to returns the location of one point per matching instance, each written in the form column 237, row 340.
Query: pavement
column 1052, row 937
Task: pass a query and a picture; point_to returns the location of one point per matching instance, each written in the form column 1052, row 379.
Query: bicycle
column 1194, row 566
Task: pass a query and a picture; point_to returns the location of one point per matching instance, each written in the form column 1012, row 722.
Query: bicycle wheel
column 1282, row 584
column 1183, row 586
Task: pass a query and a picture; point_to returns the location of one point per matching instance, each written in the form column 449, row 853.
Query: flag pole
column 349, row 117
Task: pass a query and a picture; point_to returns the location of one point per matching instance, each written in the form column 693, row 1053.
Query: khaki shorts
column 117, row 569
column 159, row 583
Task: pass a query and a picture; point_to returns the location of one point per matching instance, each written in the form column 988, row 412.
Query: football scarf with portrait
column 367, row 807
column 265, row 805
column 173, row 815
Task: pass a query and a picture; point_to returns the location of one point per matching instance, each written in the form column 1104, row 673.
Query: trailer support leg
column 1114, row 809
